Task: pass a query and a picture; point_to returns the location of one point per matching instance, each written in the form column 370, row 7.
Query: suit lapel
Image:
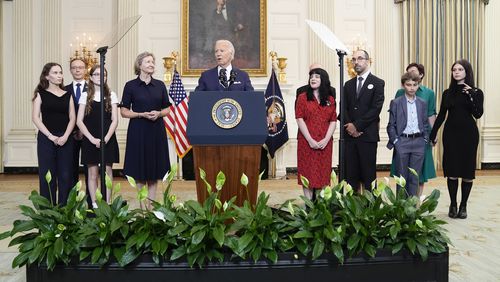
column 404, row 110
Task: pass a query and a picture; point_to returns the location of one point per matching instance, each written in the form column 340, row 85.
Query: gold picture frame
column 243, row 22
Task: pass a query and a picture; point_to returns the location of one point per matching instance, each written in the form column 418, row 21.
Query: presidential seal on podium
column 227, row 113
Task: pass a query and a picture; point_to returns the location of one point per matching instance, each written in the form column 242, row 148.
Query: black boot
column 466, row 188
column 452, row 189
column 452, row 212
column 462, row 211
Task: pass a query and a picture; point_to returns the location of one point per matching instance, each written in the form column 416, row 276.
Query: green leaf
column 401, row 181
column 198, row 237
column 27, row 211
column 327, row 192
column 129, row 256
column 412, row 171
column 203, row 174
column 419, row 223
column 22, row 226
column 84, row 255
column 422, row 250
column 98, row 195
column 220, row 180
column 370, row 250
column 37, row 251
column 272, row 256
column 131, row 181
column 117, row 188
column 107, row 180
column 4, row 235
column 143, row 193
column 244, row 241
column 115, row 224
column 397, row 247
column 96, row 254
column 260, row 175
column 59, row 247
column 319, row 246
column 177, row 253
column 218, row 204
column 218, row 234
column 411, row 245
column 48, row 177
column 333, row 178
column 353, row 242
column 305, row 181
column 303, row 234
column 195, row 206
column 20, row 259
column 244, row 180
column 338, row 252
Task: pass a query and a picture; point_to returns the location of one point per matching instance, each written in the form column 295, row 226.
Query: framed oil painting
column 243, row 22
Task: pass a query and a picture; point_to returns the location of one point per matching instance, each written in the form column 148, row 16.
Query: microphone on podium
column 232, row 78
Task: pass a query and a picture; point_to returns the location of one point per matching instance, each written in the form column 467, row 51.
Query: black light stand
column 342, row 159
column 102, row 58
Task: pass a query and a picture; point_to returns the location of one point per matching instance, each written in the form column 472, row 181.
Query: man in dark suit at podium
column 364, row 96
column 223, row 77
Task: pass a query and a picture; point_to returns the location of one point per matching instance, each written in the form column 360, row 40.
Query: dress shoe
column 462, row 212
column 452, row 212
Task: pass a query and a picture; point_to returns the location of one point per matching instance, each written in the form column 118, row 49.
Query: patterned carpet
column 474, row 255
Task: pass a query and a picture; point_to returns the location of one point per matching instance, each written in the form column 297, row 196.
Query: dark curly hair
column 324, row 88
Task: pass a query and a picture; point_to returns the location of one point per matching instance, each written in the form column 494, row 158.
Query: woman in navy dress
column 461, row 105
column 54, row 116
column 89, row 123
column 145, row 103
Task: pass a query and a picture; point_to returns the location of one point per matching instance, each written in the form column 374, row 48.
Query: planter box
column 384, row 267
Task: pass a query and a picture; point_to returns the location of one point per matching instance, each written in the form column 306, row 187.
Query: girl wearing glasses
column 89, row 123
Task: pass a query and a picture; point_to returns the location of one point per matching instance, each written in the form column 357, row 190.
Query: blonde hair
column 139, row 59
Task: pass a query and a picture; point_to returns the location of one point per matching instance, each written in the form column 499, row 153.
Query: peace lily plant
column 339, row 222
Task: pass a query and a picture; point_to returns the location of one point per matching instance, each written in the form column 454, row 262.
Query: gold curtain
column 436, row 33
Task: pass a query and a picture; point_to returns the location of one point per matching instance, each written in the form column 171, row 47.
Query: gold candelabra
column 170, row 64
column 279, row 63
column 81, row 50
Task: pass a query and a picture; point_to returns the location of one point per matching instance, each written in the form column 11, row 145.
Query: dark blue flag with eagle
column 276, row 117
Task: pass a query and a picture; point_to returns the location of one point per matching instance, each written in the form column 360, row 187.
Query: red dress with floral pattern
column 314, row 164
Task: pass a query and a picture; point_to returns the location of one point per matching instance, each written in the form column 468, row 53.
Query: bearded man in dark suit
column 364, row 96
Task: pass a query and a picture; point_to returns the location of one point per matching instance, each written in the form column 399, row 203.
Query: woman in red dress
column 316, row 117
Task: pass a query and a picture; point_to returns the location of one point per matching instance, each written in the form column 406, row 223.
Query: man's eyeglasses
column 78, row 68
column 358, row 59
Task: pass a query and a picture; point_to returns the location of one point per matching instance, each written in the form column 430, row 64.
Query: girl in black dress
column 54, row 116
column 464, row 104
column 89, row 123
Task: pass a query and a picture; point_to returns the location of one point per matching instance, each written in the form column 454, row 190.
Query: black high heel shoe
column 462, row 212
column 452, row 213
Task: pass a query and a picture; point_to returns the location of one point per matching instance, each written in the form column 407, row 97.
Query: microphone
column 232, row 78
column 223, row 78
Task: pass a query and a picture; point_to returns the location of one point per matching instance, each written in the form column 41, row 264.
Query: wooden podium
column 227, row 130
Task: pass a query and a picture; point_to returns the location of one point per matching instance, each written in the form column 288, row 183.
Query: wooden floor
column 474, row 255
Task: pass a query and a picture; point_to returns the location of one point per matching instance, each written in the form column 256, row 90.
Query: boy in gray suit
column 408, row 132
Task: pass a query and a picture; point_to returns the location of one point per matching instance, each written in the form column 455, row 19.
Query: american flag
column 176, row 121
